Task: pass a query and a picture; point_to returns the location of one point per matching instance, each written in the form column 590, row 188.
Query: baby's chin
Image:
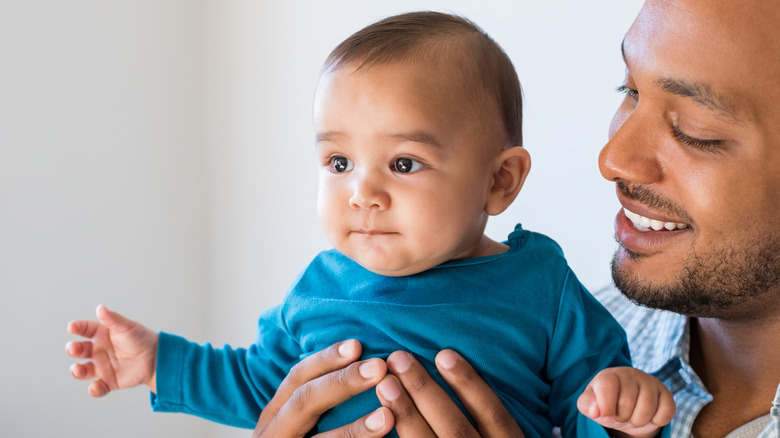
column 395, row 272
column 397, row 269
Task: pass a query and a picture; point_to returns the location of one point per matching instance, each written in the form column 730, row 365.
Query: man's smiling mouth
column 643, row 223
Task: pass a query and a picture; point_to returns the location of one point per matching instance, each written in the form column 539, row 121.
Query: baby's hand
column 628, row 401
column 121, row 353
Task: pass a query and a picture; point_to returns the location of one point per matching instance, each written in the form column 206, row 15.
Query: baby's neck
column 488, row 247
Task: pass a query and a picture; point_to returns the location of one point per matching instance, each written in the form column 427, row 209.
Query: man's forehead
column 697, row 90
column 689, row 48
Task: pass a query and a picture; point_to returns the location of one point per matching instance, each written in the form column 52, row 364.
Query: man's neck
column 739, row 363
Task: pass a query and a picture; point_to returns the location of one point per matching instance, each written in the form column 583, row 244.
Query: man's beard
column 728, row 283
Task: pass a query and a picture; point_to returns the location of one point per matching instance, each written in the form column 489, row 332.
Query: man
column 694, row 152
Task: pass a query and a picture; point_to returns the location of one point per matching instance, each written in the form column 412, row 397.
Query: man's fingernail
column 346, row 348
column 369, row 369
column 447, row 359
column 389, row 389
column 401, row 361
column 375, row 421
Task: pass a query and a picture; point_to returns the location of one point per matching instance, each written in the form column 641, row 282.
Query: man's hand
column 412, row 401
column 318, row 383
column 421, row 408
column 628, row 401
column 122, row 353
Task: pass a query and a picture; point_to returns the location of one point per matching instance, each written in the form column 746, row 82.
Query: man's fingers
column 331, row 359
column 310, row 400
column 434, row 404
column 376, row 424
column 408, row 421
column 492, row 418
column 319, row 364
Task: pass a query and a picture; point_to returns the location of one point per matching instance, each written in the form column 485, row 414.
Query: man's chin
column 693, row 294
column 673, row 296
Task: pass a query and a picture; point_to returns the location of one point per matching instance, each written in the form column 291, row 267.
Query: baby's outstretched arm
column 628, row 401
column 121, row 353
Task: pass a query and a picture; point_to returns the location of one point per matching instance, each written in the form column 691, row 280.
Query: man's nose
column 632, row 152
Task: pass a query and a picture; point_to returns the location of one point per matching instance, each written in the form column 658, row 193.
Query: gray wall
column 156, row 157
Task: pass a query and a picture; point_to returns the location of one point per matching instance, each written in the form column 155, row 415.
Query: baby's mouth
column 643, row 223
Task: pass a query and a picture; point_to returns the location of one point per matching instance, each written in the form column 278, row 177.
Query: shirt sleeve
column 586, row 339
column 225, row 385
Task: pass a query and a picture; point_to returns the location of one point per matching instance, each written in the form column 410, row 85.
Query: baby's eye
column 406, row 165
column 341, row 164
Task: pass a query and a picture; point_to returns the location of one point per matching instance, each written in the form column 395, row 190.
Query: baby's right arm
column 122, row 353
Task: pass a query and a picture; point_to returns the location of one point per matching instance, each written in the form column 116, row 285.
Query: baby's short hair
column 417, row 36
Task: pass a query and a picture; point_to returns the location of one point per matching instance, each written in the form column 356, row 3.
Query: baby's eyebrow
column 421, row 137
column 328, row 136
column 417, row 137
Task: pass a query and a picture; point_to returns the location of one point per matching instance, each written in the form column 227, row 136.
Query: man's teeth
column 642, row 223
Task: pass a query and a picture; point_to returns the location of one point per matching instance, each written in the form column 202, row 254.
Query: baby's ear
column 511, row 169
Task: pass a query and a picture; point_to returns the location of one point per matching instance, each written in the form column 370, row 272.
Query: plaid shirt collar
column 660, row 343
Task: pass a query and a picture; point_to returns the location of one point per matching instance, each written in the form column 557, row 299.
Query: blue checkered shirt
column 659, row 342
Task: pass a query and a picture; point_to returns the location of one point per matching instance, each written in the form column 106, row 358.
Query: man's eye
column 406, row 165
column 341, row 164
column 706, row 145
column 634, row 94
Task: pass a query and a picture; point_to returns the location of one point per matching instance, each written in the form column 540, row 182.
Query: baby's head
column 418, row 132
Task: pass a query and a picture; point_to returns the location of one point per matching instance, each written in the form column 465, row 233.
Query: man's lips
column 635, row 234
column 644, row 223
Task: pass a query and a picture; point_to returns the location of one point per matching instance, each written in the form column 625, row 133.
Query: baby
column 418, row 133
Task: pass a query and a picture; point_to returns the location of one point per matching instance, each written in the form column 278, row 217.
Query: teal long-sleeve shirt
column 521, row 318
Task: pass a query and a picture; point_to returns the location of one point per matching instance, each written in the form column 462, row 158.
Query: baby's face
column 406, row 164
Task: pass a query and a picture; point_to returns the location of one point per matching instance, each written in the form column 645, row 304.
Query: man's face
column 695, row 153
column 405, row 166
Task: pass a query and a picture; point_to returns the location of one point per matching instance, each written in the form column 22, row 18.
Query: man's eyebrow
column 702, row 94
column 623, row 50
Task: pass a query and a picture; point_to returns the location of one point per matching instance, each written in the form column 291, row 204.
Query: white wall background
column 156, row 156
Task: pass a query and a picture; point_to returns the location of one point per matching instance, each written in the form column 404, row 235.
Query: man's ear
column 511, row 169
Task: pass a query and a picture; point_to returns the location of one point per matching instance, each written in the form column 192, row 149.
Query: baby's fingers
column 666, row 408
column 587, row 404
column 606, row 391
column 83, row 371
column 645, row 408
column 98, row 388
column 84, row 328
column 79, row 350
column 113, row 320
